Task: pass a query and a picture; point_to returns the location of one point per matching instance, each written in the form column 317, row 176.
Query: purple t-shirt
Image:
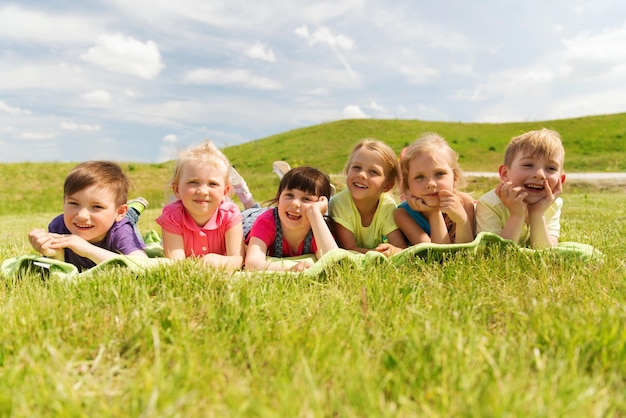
column 121, row 239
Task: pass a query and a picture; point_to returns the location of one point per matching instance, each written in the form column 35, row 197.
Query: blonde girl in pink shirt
column 202, row 222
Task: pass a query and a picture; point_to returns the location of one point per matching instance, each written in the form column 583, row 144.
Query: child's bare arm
column 173, row 246
column 323, row 237
column 460, row 209
column 41, row 241
column 539, row 235
column 256, row 259
column 81, row 247
column 347, row 240
column 234, row 251
column 395, row 243
column 411, row 230
column 513, row 199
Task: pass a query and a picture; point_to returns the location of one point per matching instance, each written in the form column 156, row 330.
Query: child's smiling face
column 366, row 177
column 202, row 188
column 291, row 206
column 91, row 212
column 533, row 173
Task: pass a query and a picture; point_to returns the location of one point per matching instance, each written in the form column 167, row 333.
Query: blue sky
column 137, row 80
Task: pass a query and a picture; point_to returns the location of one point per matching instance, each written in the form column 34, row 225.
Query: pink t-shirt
column 198, row 241
column 264, row 228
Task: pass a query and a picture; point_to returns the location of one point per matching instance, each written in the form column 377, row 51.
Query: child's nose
column 83, row 213
column 540, row 173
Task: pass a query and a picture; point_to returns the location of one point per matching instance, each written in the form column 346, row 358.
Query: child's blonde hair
column 384, row 151
column 542, row 142
column 428, row 143
column 205, row 152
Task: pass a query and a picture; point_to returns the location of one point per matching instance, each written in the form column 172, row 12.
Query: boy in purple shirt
column 93, row 227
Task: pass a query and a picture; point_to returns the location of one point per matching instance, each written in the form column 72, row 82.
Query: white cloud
column 419, row 75
column 37, row 135
column 353, row 112
column 324, row 35
column 171, row 138
column 97, row 96
column 261, row 52
column 13, row 110
column 600, row 52
column 28, row 25
column 215, row 76
column 71, row 126
column 126, row 55
column 375, row 106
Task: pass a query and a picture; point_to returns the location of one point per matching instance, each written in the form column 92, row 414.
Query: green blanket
column 436, row 252
column 55, row 269
column 426, row 251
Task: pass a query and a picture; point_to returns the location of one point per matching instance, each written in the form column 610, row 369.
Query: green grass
column 498, row 333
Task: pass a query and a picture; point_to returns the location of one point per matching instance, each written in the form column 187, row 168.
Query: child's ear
column 504, row 172
column 388, row 186
column 227, row 190
column 175, row 190
column 562, row 178
column 121, row 212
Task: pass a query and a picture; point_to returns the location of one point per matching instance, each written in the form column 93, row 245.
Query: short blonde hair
column 428, row 143
column 542, row 142
column 384, row 151
column 205, row 152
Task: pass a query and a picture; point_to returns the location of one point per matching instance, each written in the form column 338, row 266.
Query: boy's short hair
column 105, row 174
column 205, row 152
column 384, row 151
column 542, row 142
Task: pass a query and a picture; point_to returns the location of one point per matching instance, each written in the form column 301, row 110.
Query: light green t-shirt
column 491, row 216
column 343, row 211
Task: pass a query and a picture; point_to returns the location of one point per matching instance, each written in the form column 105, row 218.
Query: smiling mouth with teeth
column 534, row 186
column 293, row 216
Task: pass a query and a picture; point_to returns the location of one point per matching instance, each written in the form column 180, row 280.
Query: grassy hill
column 594, row 143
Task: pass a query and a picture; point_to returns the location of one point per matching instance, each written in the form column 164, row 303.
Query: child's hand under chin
column 321, row 206
column 542, row 205
column 512, row 198
column 419, row 205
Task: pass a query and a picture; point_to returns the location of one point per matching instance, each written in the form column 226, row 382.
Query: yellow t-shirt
column 343, row 211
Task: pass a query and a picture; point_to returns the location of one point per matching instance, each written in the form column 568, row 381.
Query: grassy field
column 497, row 333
